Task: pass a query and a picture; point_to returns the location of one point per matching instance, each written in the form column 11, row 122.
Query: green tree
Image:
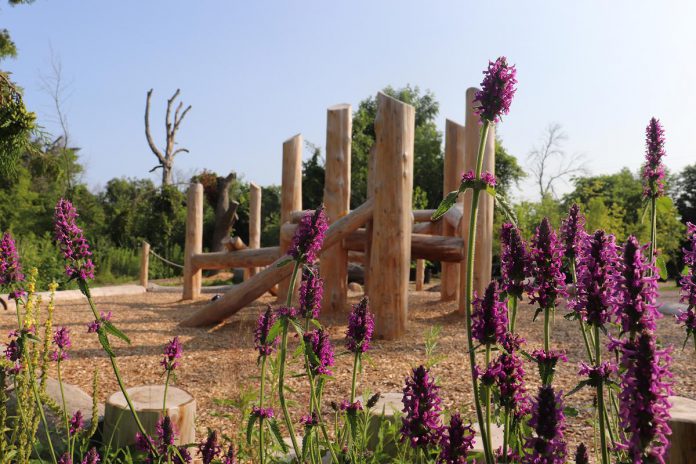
column 685, row 193
column 313, row 173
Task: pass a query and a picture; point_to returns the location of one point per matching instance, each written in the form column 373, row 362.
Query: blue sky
column 259, row 72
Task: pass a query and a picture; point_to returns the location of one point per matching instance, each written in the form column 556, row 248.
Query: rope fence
column 161, row 258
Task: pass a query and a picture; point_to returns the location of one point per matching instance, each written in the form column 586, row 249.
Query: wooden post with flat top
column 453, row 166
column 290, row 195
column 194, row 241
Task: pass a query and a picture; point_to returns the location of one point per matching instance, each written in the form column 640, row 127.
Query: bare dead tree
column 549, row 163
column 166, row 158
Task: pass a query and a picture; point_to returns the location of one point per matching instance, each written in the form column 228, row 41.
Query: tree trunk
column 225, row 212
column 167, row 175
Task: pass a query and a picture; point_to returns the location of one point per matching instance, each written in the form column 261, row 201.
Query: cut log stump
column 147, row 401
column 682, row 448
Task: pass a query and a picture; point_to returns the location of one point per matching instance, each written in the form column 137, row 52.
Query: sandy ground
column 219, row 365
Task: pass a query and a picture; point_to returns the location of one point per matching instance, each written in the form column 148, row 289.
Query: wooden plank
column 247, row 258
column 290, row 194
column 194, row 241
column 455, row 136
column 423, row 246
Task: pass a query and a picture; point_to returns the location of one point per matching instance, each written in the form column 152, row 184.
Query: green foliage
column 8, row 49
column 313, row 173
column 685, row 194
column 508, row 172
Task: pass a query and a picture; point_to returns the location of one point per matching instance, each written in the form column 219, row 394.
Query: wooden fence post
column 194, row 241
column 453, row 166
column 484, row 231
column 390, row 254
column 334, row 263
column 420, row 274
column 254, row 220
column 290, row 195
column 144, row 263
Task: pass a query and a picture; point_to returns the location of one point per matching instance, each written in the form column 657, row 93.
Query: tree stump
column 147, row 401
column 682, row 448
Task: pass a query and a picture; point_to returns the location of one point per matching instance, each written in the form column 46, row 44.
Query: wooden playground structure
column 384, row 234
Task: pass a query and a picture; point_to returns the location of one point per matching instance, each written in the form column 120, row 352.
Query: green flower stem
column 653, row 229
column 314, row 406
column 356, row 363
column 487, row 401
column 547, row 329
column 583, row 327
column 471, row 249
column 512, row 306
column 166, row 387
column 65, row 409
column 506, row 434
column 600, row 402
column 261, row 399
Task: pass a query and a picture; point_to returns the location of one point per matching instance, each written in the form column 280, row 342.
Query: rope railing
column 161, row 258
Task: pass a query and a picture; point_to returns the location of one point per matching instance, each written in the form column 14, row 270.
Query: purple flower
column 545, row 260
column 289, row 312
column 573, row 232
column 497, row 90
column 72, row 242
column 488, row 179
column 229, row 457
column 306, row 244
column 688, row 281
column 349, row 407
column 76, row 422
column 311, row 291
column 548, row 422
column 688, row 320
column 10, row 268
column 310, row 420
column 547, row 362
column 597, row 375
column 597, row 265
column 210, row 448
column 323, row 355
column 644, row 407
column 468, row 176
column 489, row 319
column 636, row 294
column 95, row 326
column 65, row 459
column 361, row 325
column 654, row 171
column 166, row 433
column 507, row 374
column 172, row 352
column 513, row 260
column 581, row 456
column 13, row 353
column 92, row 457
column 455, row 442
column 262, row 413
column 263, row 326
column 61, row 338
column 421, row 423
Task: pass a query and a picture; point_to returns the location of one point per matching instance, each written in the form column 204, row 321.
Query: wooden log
column 423, row 246
column 296, row 216
column 422, row 215
column 246, row 292
column 391, row 222
column 369, row 225
column 334, row 263
column 356, row 257
column 682, row 448
column 290, row 194
column 455, row 134
column 420, row 274
column 243, row 258
column 144, row 264
column 194, row 241
column 233, row 244
column 430, row 228
column 120, row 427
column 254, row 221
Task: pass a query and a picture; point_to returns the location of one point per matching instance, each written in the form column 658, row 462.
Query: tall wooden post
column 144, row 264
column 290, row 195
column 194, row 241
column 453, row 166
column 334, row 263
column 484, row 230
column 420, row 274
column 390, row 255
column 254, row 220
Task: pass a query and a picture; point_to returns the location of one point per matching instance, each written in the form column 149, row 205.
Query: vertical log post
column 390, row 255
column 254, row 220
column 144, row 263
column 194, row 241
column 334, row 263
column 420, row 274
column 368, row 224
column 453, row 167
column 290, row 195
column 484, row 230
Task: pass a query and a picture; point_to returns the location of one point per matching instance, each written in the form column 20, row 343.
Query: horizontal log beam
column 246, row 257
column 422, row 215
column 430, row 247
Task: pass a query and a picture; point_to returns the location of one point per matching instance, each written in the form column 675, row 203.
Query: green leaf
column 297, row 327
column 502, row 202
column 489, row 190
column 577, row 388
column 285, row 262
column 104, row 340
column 662, row 267
column 250, row 427
column 570, row 411
column 109, row 327
column 273, row 424
column 274, row 330
column 306, row 439
column 445, row 205
column 33, row 337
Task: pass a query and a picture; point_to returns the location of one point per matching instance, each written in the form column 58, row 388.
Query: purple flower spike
column 289, row 312
column 688, row 282
column 13, row 353
column 635, row 301
column 597, row 375
column 653, row 170
column 310, row 420
column 547, row 362
column 72, row 242
column 361, row 325
column 309, row 236
column 10, row 268
column 489, row 319
column 65, row 459
column 95, row 326
column 318, row 342
column 545, row 260
column 92, row 457
column 456, row 442
column 172, row 352
column 262, row 413
column 230, row 457
column 573, row 232
column 61, row 338
column 489, row 179
column 497, row 90
column 507, row 372
column 421, row 423
column 210, row 448
column 548, row 422
column 644, row 407
column 76, row 422
column 311, row 291
column 513, row 260
column 581, row 456
column 263, row 326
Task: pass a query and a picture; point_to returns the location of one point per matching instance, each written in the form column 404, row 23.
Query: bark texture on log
column 455, row 136
column 290, row 195
column 682, row 448
column 194, row 241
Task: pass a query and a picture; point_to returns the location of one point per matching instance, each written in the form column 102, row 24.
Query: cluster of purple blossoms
column 545, row 261
column 95, row 326
column 76, row 422
column 688, row 282
column 13, row 353
column 506, row 372
column 653, row 170
column 361, row 325
column 513, row 260
column 489, row 318
column 636, row 290
column 581, row 456
column 262, row 413
column 597, row 375
column 421, row 424
column 309, row 236
column 61, row 338
column 10, row 268
column 644, row 405
column 289, row 312
column 486, row 177
column 72, row 242
column 92, row 457
column 230, row 457
column 263, row 326
column 320, row 345
column 597, row 265
column 456, row 441
column 210, row 448
column 573, row 232
column 165, row 438
column 311, row 291
column 310, row 420
column 548, row 421
column 172, row 352
column 497, row 90
column 349, row 407
column 547, row 362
